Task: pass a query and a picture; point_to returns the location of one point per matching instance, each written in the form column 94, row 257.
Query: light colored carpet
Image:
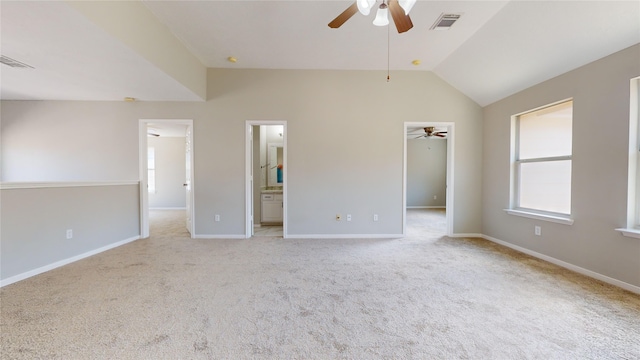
column 422, row 297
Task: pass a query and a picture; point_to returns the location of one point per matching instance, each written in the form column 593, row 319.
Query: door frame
column 249, row 171
column 143, row 172
column 450, row 167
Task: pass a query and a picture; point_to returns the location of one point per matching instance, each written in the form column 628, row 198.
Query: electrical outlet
column 375, row 217
column 435, row 197
column 348, row 217
column 537, row 230
column 69, row 233
column 217, row 217
column 338, row 217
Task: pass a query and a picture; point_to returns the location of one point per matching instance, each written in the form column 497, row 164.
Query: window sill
column 543, row 217
column 632, row 233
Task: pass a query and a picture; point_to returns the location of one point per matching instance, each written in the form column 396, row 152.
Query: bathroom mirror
column 274, row 161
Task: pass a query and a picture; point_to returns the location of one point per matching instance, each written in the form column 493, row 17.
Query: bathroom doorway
column 266, row 180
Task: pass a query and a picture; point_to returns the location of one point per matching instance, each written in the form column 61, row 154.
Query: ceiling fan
column 399, row 13
column 430, row 131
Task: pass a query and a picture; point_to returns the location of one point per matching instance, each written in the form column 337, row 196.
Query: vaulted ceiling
column 159, row 50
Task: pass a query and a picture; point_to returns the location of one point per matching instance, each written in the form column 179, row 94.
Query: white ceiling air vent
column 445, row 21
column 14, row 63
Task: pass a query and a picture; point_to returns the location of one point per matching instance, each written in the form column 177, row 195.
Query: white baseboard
column 566, row 265
column 463, row 235
column 167, row 208
column 60, row 263
column 426, row 207
column 208, row 236
column 344, row 236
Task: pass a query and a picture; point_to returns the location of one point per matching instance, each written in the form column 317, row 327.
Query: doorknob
column 185, row 184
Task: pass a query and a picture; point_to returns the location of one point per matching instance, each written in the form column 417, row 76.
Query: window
column 541, row 172
column 151, row 170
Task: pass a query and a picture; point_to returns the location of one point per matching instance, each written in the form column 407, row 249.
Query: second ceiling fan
column 429, row 131
column 399, row 12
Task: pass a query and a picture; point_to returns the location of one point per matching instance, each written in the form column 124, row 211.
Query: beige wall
column 345, row 142
column 426, row 172
column 35, row 221
column 600, row 91
column 68, row 141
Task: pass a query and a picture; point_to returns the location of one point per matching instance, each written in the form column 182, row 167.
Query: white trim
column 566, row 265
column 466, row 235
column 633, row 155
column 426, row 207
column 449, row 201
column 39, row 185
column 143, row 174
column 60, row 263
column 345, row 236
column 544, row 159
column 542, row 217
column 211, row 236
column 168, row 208
column 632, row 233
column 249, row 171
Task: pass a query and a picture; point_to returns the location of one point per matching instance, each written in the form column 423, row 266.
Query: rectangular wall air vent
column 445, row 21
column 14, row 63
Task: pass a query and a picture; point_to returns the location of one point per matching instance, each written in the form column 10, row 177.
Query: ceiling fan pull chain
column 388, row 56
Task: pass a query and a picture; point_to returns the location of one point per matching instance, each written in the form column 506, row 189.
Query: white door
column 187, row 183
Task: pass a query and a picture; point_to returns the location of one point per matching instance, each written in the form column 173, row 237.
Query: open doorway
column 428, row 174
column 266, row 179
column 166, row 171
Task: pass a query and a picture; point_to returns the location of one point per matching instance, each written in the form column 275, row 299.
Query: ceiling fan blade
column 402, row 20
column 439, row 135
column 346, row 15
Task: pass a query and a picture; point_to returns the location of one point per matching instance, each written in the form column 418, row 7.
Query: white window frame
column 516, row 162
column 632, row 228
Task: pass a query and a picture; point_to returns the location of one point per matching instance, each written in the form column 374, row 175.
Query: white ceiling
column 73, row 58
column 496, row 48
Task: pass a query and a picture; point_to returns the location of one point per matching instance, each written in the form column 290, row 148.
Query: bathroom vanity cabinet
column 271, row 208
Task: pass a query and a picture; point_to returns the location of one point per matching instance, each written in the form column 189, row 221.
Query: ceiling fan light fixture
column 407, row 5
column 382, row 16
column 364, row 6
